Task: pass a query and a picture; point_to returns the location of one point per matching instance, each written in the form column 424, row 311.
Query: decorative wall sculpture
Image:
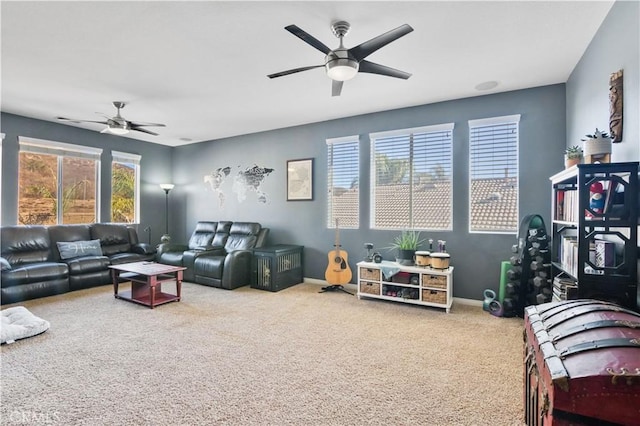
column 615, row 106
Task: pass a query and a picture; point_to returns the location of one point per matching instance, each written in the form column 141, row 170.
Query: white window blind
column 493, row 174
column 125, row 157
column 342, row 182
column 41, row 146
column 411, row 178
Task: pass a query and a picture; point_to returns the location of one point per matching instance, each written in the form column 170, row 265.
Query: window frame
column 494, row 122
column 127, row 158
column 62, row 150
column 410, row 133
column 331, row 216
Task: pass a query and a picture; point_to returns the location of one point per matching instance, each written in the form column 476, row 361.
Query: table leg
column 152, row 289
column 178, row 283
column 115, row 276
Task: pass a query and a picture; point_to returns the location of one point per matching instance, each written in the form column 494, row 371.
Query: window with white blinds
column 411, row 178
column 342, row 182
column 493, row 174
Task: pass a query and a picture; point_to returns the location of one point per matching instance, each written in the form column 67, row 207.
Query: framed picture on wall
column 300, row 180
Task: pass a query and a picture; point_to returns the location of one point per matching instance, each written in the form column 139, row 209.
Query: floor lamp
column 166, row 187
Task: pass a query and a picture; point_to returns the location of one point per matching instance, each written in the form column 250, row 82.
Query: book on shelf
column 605, row 253
column 611, row 195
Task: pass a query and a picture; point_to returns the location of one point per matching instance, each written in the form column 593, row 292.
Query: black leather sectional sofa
column 218, row 254
column 33, row 265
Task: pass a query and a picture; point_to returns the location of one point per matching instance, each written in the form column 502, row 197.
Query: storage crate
column 435, row 281
column 369, row 287
column 370, row 274
column 434, row 296
column 277, row 267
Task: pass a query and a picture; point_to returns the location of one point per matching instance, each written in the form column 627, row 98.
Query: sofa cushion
column 113, row 238
column 129, row 257
column 73, row 249
column 242, row 236
column 88, row 264
column 203, row 234
column 209, row 266
column 24, row 244
column 37, row 272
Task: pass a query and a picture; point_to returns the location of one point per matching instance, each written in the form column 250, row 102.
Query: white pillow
column 19, row 323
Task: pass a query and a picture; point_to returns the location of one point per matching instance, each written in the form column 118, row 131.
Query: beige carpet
column 250, row 357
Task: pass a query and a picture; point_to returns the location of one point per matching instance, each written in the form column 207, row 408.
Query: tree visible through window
column 57, row 183
column 493, row 173
column 124, row 187
column 411, row 178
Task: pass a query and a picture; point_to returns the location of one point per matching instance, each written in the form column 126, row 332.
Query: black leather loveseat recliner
column 219, row 254
column 207, row 237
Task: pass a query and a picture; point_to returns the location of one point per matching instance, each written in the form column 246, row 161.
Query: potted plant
column 597, row 147
column 572, row 156
column 406, row 245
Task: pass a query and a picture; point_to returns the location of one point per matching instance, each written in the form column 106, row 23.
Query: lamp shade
column 118, row 130
column 342, row 69
column 167, row 186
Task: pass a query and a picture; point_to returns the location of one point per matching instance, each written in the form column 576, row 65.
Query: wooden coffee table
column 146, row 282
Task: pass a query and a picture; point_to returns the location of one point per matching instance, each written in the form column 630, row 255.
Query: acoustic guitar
column 338, row 271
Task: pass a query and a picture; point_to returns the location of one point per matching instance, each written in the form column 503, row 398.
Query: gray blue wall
column 552, row 117
column 155, row 168
column 476, row 257
column 615, row 46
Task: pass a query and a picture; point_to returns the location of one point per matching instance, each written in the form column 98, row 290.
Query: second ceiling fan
column 343, row 64
column 117, row 124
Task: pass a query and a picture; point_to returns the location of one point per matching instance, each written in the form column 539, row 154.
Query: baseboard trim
column 460, row 300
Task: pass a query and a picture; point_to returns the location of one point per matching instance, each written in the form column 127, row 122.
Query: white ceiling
column 201, row 67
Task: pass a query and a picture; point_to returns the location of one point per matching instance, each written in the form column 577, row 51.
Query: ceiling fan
column 343, row 64
column 117, row 125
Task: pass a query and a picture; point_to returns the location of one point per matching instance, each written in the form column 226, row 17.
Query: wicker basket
column 369, row 287
column 370, row 274
column 434, row 281
column 434, row 296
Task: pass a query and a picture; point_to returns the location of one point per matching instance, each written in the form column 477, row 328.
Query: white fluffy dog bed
column 19, row 323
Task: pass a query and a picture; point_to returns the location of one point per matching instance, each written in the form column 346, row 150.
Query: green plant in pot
column 597, row 147
column 572, row 156
column 406, row 245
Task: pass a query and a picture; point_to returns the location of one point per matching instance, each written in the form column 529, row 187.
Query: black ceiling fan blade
column 336, row 87
column 368, row 47
column 140, row 129
column 307, row 38
column 373, row 68
column 74, row 120
column 293, row 71
column 142, row 123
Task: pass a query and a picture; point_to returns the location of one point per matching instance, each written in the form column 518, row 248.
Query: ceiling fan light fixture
column 342, row 69
column 118, row 130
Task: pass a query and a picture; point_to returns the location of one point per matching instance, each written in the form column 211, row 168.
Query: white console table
column 411, row 284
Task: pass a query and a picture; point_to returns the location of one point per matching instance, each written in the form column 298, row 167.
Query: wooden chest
column 581, row 364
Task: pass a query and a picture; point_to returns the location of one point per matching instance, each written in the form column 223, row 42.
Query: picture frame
column 300, row 179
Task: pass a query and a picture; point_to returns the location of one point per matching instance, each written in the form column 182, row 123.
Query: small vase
column 405, row 257
column 570, row 162
column 597, row 150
